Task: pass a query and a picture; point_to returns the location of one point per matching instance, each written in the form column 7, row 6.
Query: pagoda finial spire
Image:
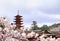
column 18, row 12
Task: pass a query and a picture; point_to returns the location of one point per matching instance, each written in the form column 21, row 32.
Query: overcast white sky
column 42, row 11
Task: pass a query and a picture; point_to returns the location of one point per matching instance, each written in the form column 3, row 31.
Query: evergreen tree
column 44, row 27
column 34, row 26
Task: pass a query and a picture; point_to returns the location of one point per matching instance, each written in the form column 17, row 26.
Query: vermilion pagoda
column 18, row 21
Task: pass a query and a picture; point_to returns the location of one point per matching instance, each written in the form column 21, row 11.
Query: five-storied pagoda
column 18, row 21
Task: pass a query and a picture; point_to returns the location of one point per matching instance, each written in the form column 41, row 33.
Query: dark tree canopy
column 34, row 26
column 44, row 27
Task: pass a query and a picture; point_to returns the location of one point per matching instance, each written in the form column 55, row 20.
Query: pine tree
column 34, row 26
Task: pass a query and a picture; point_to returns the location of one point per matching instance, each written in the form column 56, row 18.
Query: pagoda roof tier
column 18, row 16
column 18, row 21
column 19, row 26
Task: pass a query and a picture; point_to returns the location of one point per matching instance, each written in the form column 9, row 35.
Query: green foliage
column 34, row 26
column 54, row 25
column 44, row 27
